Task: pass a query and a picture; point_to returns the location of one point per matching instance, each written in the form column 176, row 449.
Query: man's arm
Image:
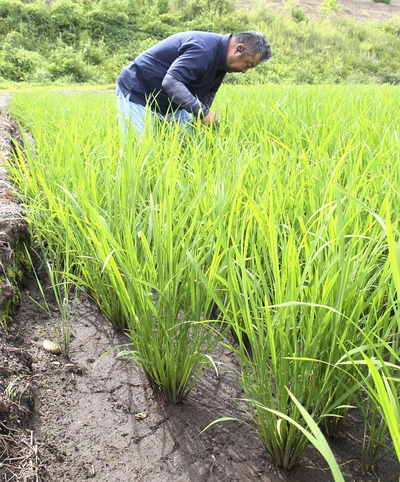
column 207, row 99
column 180, row 94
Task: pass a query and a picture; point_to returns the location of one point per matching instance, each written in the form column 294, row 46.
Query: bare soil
column 94, row 417
column 362, row 11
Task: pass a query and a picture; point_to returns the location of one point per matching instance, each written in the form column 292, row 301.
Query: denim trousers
column 138, row 115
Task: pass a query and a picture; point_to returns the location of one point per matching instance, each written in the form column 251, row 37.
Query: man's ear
column 240, row 47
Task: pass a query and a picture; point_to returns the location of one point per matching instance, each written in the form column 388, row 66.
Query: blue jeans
column 139, row 115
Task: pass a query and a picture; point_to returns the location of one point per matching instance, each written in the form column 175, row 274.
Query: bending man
column 179, row 77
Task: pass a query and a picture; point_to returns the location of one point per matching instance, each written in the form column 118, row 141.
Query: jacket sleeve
column 180, row 94
column 207, row 99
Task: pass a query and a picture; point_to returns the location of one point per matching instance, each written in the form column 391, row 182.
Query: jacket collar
column 222, row 56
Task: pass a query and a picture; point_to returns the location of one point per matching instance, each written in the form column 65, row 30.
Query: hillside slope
column 362, row 11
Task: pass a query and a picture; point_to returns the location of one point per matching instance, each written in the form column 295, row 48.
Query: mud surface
column 95, row 417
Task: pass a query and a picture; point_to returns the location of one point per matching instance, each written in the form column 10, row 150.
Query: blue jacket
column 197, row 59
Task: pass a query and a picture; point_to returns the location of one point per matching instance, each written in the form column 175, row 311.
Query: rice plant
column 275, row 219
column 381, row 382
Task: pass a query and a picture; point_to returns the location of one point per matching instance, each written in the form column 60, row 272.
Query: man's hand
column 211, row 119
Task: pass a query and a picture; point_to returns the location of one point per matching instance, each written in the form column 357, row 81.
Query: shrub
column 94, row 53
column 298, row 15
column 66, row 20
column 42, row 76
column 204, row 8
column 15, row 40
column 111, row 23
column 36, row 20
column 163, row 6
column 10, row 14
column 389, row 78
column 110, row 68
column 330, row 6
column 99, row 30
column 18, row 64
column 69, row 64
column 158, row 29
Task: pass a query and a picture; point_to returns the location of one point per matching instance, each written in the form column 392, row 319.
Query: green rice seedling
column 313, row 434
column 265, row 338
column 65, row 294
column 62, row 208
column 173, row 342
column 280, row 344
column 345, row 284
column 289, row 278
column 375, row 431
column 382, row 381
column 384, row 391
column 270, row 218
column 137, row 237
column 331, row 259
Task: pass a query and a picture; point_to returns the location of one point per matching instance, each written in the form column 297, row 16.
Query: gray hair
column 255, row 43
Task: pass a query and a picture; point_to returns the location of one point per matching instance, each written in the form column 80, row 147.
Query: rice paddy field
column 275, row 235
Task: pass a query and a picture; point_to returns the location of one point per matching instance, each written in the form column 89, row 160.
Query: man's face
column 242, row 62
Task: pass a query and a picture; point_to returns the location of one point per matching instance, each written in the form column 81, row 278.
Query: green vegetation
column 12, row 266
column 78, row 41
column 284, row 219
column 65, row 295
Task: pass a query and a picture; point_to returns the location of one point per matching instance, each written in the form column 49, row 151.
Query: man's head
column 246, row 50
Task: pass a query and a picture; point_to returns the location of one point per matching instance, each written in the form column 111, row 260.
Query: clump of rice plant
column 381, row 382
column 281, row 336
column 275, row 218
column 64, row 291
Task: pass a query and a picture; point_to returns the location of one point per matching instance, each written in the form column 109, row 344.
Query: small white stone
column 52, row 347
column 141, row 416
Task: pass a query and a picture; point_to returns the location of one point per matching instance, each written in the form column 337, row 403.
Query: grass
column 330, row 49
column 276, row 219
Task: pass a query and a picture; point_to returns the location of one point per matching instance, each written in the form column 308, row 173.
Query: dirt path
column 97, row 418
column 4, row 102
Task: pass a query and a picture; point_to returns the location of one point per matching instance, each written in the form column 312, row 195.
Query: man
column 177, row 79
